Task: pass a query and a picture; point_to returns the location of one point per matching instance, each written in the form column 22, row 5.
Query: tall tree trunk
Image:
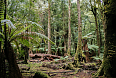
column 63, row 17
column 69, row 29
column 94, row 10
column 79, row 45
column 49, row 27
column 108, row 67
column 14, row 71
column 98, row 38
column 1, row 12
column 2, row 58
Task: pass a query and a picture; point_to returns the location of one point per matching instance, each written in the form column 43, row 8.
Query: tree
column 49, row 27
column 79, row 45
column 2, row 58
column 17, row 35
column 108, row 67
column 69, row 29
column 94, row 10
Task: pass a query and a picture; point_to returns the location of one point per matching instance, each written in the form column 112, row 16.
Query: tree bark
column 79, row 45
column 108, row 67
column 69, row 29
column 14, row 71
column 1, row 11
column 98, row 38
column 49, row 27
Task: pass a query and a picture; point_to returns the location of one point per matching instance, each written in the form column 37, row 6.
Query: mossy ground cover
column 29, row 70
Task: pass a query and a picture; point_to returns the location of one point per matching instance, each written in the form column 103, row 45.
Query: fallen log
column 49, row 72
column 38, row 55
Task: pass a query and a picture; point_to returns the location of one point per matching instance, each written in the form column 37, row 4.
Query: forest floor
column 57, row 69
column 29, row 70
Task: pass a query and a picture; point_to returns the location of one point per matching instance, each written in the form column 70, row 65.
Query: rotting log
column 38, row 55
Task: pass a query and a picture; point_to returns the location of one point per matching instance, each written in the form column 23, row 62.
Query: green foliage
column 92, row 47
column 100, row 57
column 21, row 54
column 19, row 33
column 89, row 36
column 34, row 14
column 62, row 58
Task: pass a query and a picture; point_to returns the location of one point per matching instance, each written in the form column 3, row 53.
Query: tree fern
column 19, row 32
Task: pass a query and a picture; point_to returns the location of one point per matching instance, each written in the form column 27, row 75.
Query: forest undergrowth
column 62, row 68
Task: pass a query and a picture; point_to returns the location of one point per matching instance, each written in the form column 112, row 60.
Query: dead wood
column 43, row 57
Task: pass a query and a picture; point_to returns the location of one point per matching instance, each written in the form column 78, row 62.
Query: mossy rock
column 40, row 75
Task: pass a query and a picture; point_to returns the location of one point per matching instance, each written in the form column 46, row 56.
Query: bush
column 40, row 75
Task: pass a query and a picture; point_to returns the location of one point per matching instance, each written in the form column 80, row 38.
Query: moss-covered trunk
column 69, row 29
column 14, row 71
column 108, row 67
column 79, row 45
column 49, row 27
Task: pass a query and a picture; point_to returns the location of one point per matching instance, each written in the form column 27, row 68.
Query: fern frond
column 33, row 35
column 9, row 23
column 19, row 32
column 35, row 24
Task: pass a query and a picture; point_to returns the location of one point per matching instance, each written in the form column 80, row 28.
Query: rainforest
column 57, row 38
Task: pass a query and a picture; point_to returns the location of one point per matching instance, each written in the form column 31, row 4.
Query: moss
column 70, row 66
column 40, row 75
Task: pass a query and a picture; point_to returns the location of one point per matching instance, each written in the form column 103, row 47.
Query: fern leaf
column 8, row 22
column 35, row 24
column 19, row 32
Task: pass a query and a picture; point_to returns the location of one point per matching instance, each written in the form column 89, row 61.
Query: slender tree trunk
column 79, row 45
column 63, row 17
column 49, row 27
column 98, row 38
column 1, row 11
column 69, row 29
column 5, row 42
column 108, row 67
column 94, row 10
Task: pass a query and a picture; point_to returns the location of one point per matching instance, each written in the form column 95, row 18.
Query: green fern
column 17, row 33
column 92, row 47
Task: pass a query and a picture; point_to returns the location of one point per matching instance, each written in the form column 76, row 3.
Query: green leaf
column 35, row 24
column 1, row 39
column 20, row 31
column 25, row 42
column 2, row 35
column 92, row 47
